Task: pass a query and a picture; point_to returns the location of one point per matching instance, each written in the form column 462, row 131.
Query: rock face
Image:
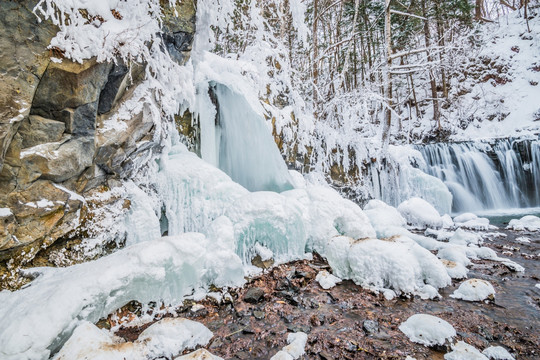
column 54, row 140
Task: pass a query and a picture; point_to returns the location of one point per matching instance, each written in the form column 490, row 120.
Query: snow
column 463, row 351
column 474, row 290
column 528, row 222
column 294, row 349
column 5, row 212
column 165, row 338
column 264, row 252
column 462, row 237
column 201, row 354
column 522, row 240
column 497, row 353
column 455, row 270
column 327, row 280
column 399, row 264
column 420, row 214
column 32, row 328
column 427, row 330
column 463, row 218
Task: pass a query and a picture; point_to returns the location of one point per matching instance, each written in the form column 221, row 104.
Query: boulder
column 69, row 85
column 178, row 26
column 37, row 130
column 59, row 161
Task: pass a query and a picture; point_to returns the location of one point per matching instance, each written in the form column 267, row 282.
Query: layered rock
column 55, row 140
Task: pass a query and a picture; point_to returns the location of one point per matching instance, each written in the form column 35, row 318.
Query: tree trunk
column 387, row 76
column 432, row 81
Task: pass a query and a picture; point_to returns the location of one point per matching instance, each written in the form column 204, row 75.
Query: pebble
column 371, row 326
column 254, row 295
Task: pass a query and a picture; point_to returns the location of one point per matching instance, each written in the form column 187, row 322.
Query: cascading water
column 483, row 176
column 247, row 151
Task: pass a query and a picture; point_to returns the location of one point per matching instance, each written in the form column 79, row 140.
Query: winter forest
column 269, row 179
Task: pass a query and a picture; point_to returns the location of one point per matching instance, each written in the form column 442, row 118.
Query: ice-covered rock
column 455, row 253
column 295, row 349
column 529, row 223
column 427, row 330
column 399, row 264
column 40, row 317
column 463, row 218
column 447, row 221
column 385, row 219
column 462, row 237
column 497, row 353
column 454, row 269
column 463, row 351
column 474, row 290
column 165, row 338
column 420, row 214
column 327, row 280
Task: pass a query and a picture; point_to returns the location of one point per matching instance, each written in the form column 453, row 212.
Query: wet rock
column 254, row 295
column 326, row 355
column 262, row 264
column 258, row 314
column 299, row 328
column 111, row 91
column 370, row 326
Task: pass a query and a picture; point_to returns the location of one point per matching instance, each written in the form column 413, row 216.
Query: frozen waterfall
column 242, row 141
column 484, row 176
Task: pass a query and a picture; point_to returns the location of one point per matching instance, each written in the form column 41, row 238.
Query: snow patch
column 420, row 214
column 327, row 280
column 474, row 290
column 497, row 353
column 528, row 222
column 427, row 330
column 463, row 351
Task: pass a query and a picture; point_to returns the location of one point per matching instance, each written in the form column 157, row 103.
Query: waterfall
column 485, row 176
column 247, row 151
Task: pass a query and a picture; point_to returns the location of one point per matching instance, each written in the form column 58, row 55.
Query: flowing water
column 486, row 176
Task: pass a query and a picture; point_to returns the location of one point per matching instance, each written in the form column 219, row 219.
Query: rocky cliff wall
column 56, row 142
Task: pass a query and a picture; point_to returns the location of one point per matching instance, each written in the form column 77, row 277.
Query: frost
column 474, row 290
column 427, row 330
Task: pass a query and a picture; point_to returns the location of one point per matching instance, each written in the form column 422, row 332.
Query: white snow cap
column 201, row 354
column 464, row 351
column 427, row 330
column 529, row 222
column 5, row 212
column 497, row 353
column 420, row 214
column 327, row 280
column 295, row 349
column 474, row 290
column 165, row 338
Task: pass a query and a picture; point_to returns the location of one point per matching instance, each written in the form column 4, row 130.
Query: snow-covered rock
column 427, row 330
column 463, row 218
column 420, row 214
column 523, row 240
column 462, row 237
column 497, row 353
column 327, row 280
column 399, row 264
column 474, row 290
column 295, row 349
column 201, row 354
column 166, row 338
column 463, row 351
column 529, row 223
column 385, row 219
column 454, row 269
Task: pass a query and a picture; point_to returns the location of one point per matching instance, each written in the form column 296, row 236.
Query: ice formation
column 420, row 214
column 427, row 330
column 497, row 353
column 474, row 290
column 165, row 338
column 528, row 222
column 327, row 280
column 399, row 264
column 32, row 328
column 463, row 351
